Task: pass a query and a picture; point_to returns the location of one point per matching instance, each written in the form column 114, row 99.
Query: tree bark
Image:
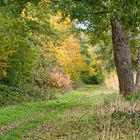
column 137, row 85
column 122, row 58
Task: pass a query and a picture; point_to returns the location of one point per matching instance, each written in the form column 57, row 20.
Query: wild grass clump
column 118, row 120
column 135, row 96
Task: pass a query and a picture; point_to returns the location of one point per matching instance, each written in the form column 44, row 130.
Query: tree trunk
column 122, row 58
column 137, row 85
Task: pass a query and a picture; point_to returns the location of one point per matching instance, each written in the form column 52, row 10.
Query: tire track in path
column 15, row 124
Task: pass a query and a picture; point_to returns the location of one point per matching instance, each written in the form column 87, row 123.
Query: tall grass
column 118, row 120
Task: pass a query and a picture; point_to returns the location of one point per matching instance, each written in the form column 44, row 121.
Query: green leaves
column 15, row 7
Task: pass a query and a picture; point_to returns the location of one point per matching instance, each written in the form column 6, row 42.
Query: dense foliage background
column 41, row 53
column 54, row 46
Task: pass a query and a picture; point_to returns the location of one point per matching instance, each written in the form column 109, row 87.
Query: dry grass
column 119, row 120
column 111, row 81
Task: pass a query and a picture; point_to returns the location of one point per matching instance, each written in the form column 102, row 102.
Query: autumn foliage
column 42, row 51
column 59, row 81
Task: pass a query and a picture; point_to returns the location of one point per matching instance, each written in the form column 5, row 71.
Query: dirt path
column 14, row 125
column 69, row 123
column 69, row 126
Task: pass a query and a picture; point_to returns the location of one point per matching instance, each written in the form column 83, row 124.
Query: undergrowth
column 10, row 95
column 118, row 120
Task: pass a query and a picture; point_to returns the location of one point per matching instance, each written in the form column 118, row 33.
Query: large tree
column 102, row 17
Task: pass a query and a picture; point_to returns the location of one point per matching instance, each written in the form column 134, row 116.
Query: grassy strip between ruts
column 64, row 102
column 11, row 114
column 85, row 96
column 117, row 120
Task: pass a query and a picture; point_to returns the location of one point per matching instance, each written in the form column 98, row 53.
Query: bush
column 10, row 95
column 59, row 81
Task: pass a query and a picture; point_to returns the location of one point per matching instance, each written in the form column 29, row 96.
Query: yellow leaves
column 58, row 23
column 96, row 61
column 92, row 71
column 67, row 50
column 3, row 65
column 69, row 55
column 90, row 50
column 3, row 73
column 31, row 15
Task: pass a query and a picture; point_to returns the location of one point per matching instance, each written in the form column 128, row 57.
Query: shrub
column 59, row 81
column 10, row 95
